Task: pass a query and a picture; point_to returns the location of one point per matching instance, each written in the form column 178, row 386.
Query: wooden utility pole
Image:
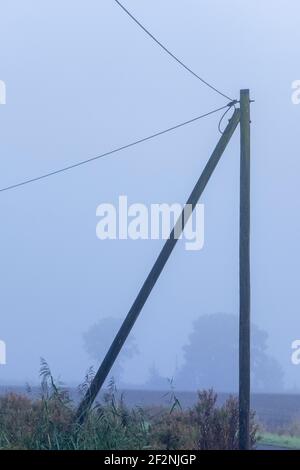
column 155, row 272
column 244, row 338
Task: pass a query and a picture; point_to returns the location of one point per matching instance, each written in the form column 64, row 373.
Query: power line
column 224, row 114
column 170, row 53
column 124, row 147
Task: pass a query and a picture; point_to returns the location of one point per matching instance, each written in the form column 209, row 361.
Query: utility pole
column 155, row 272
column 244, row 260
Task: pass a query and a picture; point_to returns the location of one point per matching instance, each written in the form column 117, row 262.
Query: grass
column 48, row 422
column 289, row 442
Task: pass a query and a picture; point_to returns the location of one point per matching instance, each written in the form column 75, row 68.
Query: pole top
column 245, row 95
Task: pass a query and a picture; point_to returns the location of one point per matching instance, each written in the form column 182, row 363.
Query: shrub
column 205, row 426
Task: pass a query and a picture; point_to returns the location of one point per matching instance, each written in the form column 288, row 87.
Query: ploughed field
column 273, row 411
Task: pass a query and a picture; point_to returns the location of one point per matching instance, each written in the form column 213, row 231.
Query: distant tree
column 98, row 339
column 211, row 357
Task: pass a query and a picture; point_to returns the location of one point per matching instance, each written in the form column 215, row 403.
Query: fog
column 82, row 79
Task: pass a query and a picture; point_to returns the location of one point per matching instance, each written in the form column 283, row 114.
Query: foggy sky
column 82, row 79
